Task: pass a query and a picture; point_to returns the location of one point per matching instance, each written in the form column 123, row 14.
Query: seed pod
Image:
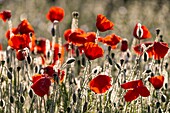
column 110, row 60
column 163, row 98
column 74, row 98
column 48, row 54
column 70, row 60
column 79, row 93
column 157, row 31
column 53, row 31
column 22, row 99
column 85, row 107
column 2, row 103
column 158, row 105
column 11, row 99
column 30, row 93
column 18, row 68
column 75, row 15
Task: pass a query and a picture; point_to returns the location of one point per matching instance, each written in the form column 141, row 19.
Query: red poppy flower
column 14, row 31
column 56, row 52
column 41, row 86
column 20, row 55
column 25, row 27
column 49, row 70
column 160, row 50
column 77, row 38
column 141, row 32
column 40, row 45
column 92, row 50
column 55, row 13
column 100, row 84
column 157, row 81
column 103, row 24
column 19, row 41
column 135, row 88
column 139, row 50
column 124, row 45
column 90, row 37
column 111, row 40
column 68, row 32
column 4, row 15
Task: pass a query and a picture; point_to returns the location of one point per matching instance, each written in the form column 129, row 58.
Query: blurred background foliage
column 124, row 13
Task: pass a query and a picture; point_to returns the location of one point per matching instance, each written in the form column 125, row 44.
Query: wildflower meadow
column 82, row 71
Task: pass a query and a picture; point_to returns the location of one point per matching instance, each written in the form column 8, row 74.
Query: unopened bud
column 70, row 60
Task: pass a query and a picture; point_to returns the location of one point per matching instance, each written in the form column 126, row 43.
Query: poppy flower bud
column 70, row 60
column 68, row 110
column 30, row 93
column 74, row 98
column 83, row 61
column 56, row 78
column 149, row 109
column 11, row 99
column 110, row 60
column 9, row 75
column 59, row 55
column 22, row 99
column 157, row 31
column 166, row 65
column 2, row 103
column 2, row 62
column 75, row 15
column 77, row 52
column 36, row 69
column 2, row 79
column 85, row 107
column 161, row 38
column 148, row 71
column 124, row 45
column 29, row 59
column 112, row 55
column 166, row 86
column 163, row 98
column 121, row 61
column 109, row 49
column 158, row 104
column 145, row 57
column 79, row 93
column 160, row 110
column 118, row 66
column 53, row 31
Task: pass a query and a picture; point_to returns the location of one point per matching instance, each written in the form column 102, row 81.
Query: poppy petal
column 143, row 91
column 132, row 84
column 100, row 84
column 131, row 95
